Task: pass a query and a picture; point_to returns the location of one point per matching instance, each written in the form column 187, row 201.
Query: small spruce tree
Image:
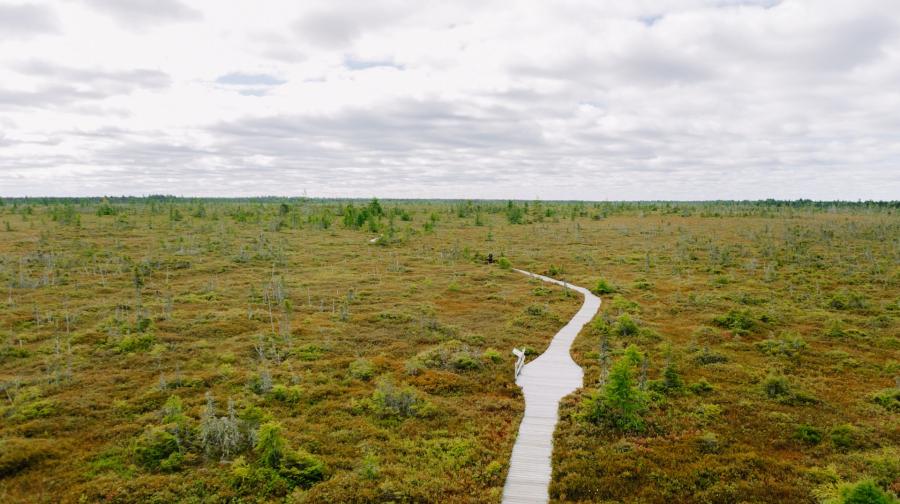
column 620, row 404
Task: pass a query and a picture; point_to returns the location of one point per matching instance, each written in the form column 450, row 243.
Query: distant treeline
column 652, row 205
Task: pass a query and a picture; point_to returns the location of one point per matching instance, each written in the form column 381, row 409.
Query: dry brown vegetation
column 345, row 371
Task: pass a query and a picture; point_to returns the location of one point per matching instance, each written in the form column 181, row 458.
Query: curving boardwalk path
column 544, row 381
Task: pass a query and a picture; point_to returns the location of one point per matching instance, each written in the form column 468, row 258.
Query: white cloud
column 23, row 21
column 667, row 99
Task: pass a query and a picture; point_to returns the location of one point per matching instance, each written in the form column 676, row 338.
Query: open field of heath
column 163, row 350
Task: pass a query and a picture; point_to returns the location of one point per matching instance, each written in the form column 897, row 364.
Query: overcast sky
column 627, row 99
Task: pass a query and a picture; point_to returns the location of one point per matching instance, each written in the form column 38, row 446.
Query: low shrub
column 40, row 408
column 671, row 379
column 555, row 271
column 310, row 352
column 301, row 468
column 390, row 401
column 362, row 369
column 845, row 437
column 625, row 326
column 777, row 387
column 278, row 468
column 451, row 355
column 707, row 413
column 861, row 492
column 622, row 305
column 808, row 434
column 847, row 300
column 604, row 287
column 157, row 449
column 701, row 387
column 738, row 321
column 708, row 357
column 888, row 399
column 788, row 345
column 135, row 343
column 492, row 355
column 708, row 442
column 287, row 395
column 642, row 284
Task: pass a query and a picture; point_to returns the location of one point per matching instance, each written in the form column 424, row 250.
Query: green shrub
column 259, row 481
column 738, row 321
column 541, row 291
column 157, row 449
column 777, row 387
column 465, row 362
column 888, row 398
column 600, row 326
column 279, row 467
column 368, row 468
column 105, row 209
column 173, row 413
column 625, row 326
column 845, row 437
column 835, row 329
column 310, row 352
column 862, row 492
column 536, row 310
column 111, row 460
column 451, row 355
column 12, row 352
column 135, row 343
column 642, row 284
column 708, row 442
column 492, row 355
column 622, row 305
column 504, row 263
column 847, row 300
column 270, row 444
column 301, row 468
column 707, row 413
column 390, row 401
column 787, row 345
column 287, row 395
column 707, row 357
column 362, row 369
column 808, row 434
column 604, row 287
column 701, row 387
column 41, row 408
column 671, row 379
column 555, row 271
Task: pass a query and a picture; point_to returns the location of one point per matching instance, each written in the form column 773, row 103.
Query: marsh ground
column 386, row 367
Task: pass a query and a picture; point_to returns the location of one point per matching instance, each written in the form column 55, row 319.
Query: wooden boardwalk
column 544, row 381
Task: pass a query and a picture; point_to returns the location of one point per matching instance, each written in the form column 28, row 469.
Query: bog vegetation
column 294, row 350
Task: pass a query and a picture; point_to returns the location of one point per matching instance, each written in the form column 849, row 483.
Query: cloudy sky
column 600, row 99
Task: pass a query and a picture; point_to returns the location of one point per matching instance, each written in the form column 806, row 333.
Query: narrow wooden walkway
column 544, row 381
